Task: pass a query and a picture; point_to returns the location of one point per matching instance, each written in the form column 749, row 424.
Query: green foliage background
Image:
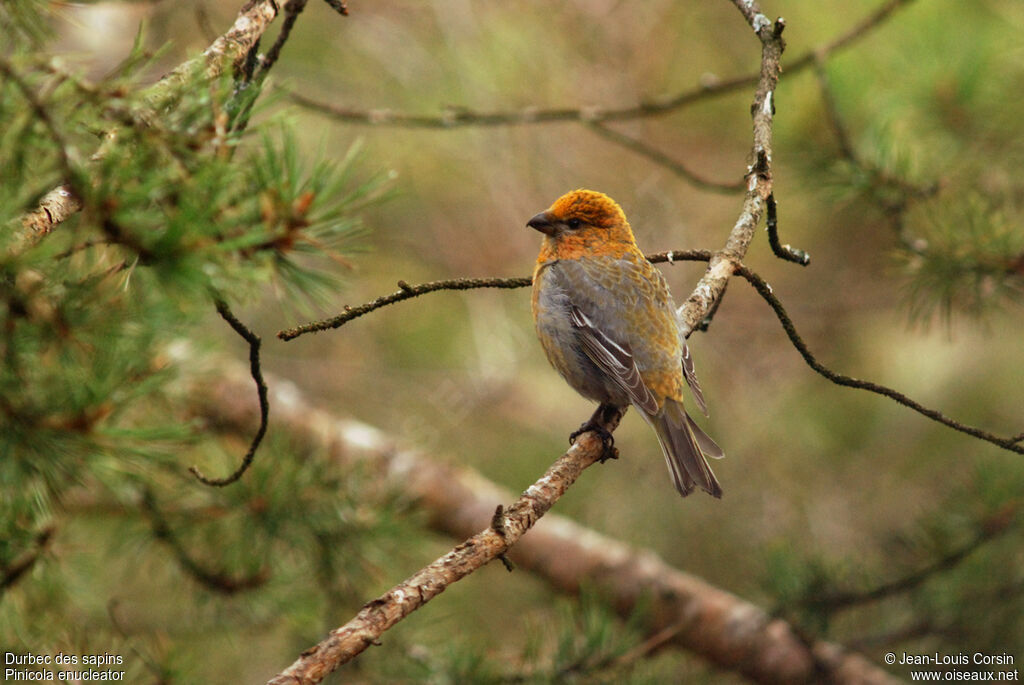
column 913, row 283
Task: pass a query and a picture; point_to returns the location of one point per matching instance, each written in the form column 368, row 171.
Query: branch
column 455, row 117
column 216, row 581
column 16, row 570
column 261, row 390
column 405, row 292
column 508, row 526
column 726, row 261
column 292, row 10
column 695, row 615
column 988, row 530
column 228, row 51
column 660, row 158
column 784, row 252
column 1011, row 443
column 253, row 19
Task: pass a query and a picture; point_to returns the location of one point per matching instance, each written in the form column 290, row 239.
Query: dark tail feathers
column 687, row 449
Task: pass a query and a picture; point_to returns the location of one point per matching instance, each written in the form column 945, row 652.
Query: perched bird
column 607, row 323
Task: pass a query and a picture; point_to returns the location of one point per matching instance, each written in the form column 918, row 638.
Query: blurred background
column 911, row 217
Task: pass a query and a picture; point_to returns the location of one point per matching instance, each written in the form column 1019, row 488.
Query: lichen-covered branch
column 346, row 642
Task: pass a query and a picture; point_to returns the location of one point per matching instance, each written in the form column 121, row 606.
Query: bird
column 607, row 323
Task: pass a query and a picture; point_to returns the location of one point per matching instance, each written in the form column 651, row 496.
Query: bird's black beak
column 542, row 222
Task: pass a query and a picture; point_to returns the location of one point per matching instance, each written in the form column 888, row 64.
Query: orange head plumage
column 583, row 223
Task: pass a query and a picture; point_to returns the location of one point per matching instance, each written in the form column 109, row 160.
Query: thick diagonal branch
column 706, row 620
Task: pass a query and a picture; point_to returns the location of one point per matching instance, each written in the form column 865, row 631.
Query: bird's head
column 584, row 221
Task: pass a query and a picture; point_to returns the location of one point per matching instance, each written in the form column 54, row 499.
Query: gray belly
column 560, row 341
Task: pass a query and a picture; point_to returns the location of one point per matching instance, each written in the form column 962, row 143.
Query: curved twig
column 839, row 600
column 784, row 252
column 261, row 390
column 765, row 291
column 660, row 158
column 216, row 581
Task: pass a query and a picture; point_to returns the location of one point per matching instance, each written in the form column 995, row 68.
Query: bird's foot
column 596, row 424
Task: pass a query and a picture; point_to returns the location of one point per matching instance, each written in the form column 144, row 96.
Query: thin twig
column 765, row 290
column 844, row 599
column 405, row 292
column 660, row 158
column 338, row 6
column 832, row 116
column 261, row 390
column 786, row 252
column 217, row 581
column 17, row 569
column 292, row 10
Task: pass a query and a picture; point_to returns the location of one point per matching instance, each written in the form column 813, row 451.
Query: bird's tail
column 686, row 448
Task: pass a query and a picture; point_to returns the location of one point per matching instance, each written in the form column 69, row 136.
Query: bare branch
column 1011, row 443
column 261, row 390
column 458, row 116
column 785, row 252
column 292, row 10
column 338, row 6
column 405, row 292
column 838, row 600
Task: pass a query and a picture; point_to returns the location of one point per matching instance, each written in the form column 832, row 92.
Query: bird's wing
column 615, row 359
column 691, row 379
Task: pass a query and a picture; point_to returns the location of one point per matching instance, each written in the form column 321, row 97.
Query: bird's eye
column 574, row 223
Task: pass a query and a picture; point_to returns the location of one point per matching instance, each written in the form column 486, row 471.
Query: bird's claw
column 608, row 448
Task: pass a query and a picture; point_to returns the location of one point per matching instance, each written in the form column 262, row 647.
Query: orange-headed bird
column 607, row 323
